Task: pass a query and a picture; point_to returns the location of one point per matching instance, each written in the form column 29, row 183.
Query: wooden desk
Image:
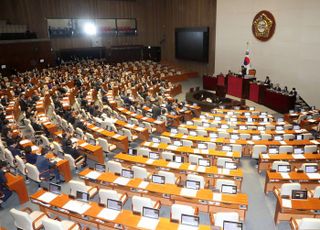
column 94, row 152
column 204, row 199
column 91, row 216
column 299, row 208
column 182, row 169
column 142, row 133
column 296, row 160
column 275, row 180
column 17, row 184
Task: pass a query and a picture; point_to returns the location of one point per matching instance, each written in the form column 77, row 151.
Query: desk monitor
column 273, row 150
column 256, row 137
column 243, row 127
column 265, row 119
column 173, row 131
column 100, row 167
column 150, row 212
column 213, row 135
column 82, row 196
column 261, row 128
column 284, row 168
column 231, row 189
column 296, row 127
column 230, row 165
column 232, row 225
column 155, row 140
column 249, row 119
column 132, row 152
column 217, row 118
column 192, row 184
column 235, row 136
column 190, row 122
column 280, row 119
column 299, row 194
column 311, row 168
column 193, row 133
column 298, row 151
column 190, row 220
column 230, row 113
column 114, row 204
column 264, row 113
column 251, row 108
column 226, row 148
column 127, row 173
column 204, row 162
column 202, row 116
column 202, row 146
column 247, row 114
column 178, row 159
column 177, row 143
column 224, row 126
column 154, row 156
column 233, row 119
column 299, row 137
column 279, row 128
column 278, row 137
column 205, row 124
column 158, row 179
column 55, row 188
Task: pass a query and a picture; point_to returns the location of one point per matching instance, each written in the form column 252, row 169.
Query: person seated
column 293, row 92
column 46, row 167
column 277, row 88
column 5, row 193
column 267, row 81
column 70, row 149
column 285, row 90
column 14, row 149
column 29, row 156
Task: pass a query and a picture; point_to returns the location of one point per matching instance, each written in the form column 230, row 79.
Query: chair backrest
column 170, row 177
column 236, row 148
column 211, row 145
column 266, row 136
column 187, row 143
column 33, row 172
column 183, row 130
column 22, row 219
column 220, row 217
column 286, row 188
column 193, row 159
column 142, row 151
column 178, row 209
column 9, row 157
column 139, row 202
column 316, row 193
column 220, row 182
column 114, row 167
column 51, row 224
column 245, row 136
column 104, row 144
column 21, row 165
column 168, row 156
column 223, row 135
column 106, row 194
column 71, row 161
column 127, row 133
column 286, row 149
column 44, row 140
column 275, row 164
column 165, row 140
column 288, row 137
column 79, row 131
column 309, row 224
column 139, row 172
column 307, row 136
column 257, row 149
column 89, row 136
column 77, row 186
column 221, row 161
column 310, row 148
column 203, row 133
column 197, row 178
column 57, row 147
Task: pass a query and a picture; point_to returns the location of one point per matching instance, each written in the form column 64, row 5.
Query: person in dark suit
column 156, row 111
column 30, row 157
column 68, row 148
column 46, row 167
column 267, row 81
column 293, row 92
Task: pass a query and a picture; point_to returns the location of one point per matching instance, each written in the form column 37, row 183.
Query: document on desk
column 286, row 203
column 265, row 156
column 174, row 165
column 204, row 151
column 23, row 142
column 108, row 214
column 187, row 227
column 201, row 169
column 250, row 142
column 298, row 156
column 34, row 148
column 95, row 128
column 232, row 141
column 172, row 147
column 229, row 154
column 279, row 132
column 283, row 142
column 76, row 206
column 149, row 161
column 217, row 197
column 223, row 171
column 74, row 140
column 313, row 175
column 140, row 129
column 93, row 175
column 285, row 175
column 143, row 184
column 121, row 181
column 192, row 167
column 188, row 192
column 47, row 197
column 315, row 142
column 83, row 145
column 196, row 151
column 116, row 136
column 148, row 223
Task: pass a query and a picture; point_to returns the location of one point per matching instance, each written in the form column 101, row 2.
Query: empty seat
column 168, row 156
column 27, row 219
column 286, row 188
column 170, row 177
column 310, row 148
column 305, row 224
column 51, row 224
column 220, row 182
column 114, row 166
column 139, row 202
column 275, row 164
column 286, row 149
column 105, row 194
column 220, row 217
column 178, row 209
column 187, row 143
column 140, row 172
column 198, row 178
column 257, row 149
column 166, row 140
column 81, row 187
column 142, row 151
column 194, row 159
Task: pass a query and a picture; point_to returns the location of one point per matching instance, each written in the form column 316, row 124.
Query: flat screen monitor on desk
column 299, row 194
column 247, row 114
column 192, row 184
column 205, row 124
column 174, row 131
column 190, row 122
column 230, row 165
column 273, row 150
column 150, row 212
column 225, row 126
column 284, row 168
column 251, row 108
column 154, row 156
column 311, row 168
column 213, row 135
column 250, row 120
column 158, row 179
column 178, row 159
column 177, row 143
column 217, row 118
column 243, row 127
column 155, row 140
column 280, row 119
column 202, row 146
column 193, row 133
column 100, row 167
column 55, row 188
column 190, row 220
column 82, row 196
column 232, row 225
column 235, row 136
column 231, row 189
column 226, row 148
column 299, row 137
column 132, row 152
column 296, row 127
column 230, row 113
column 261, row 128
column 114, row 204
column 204, row 162
column 298, row 151
column 279, row 128
column 233, row 119
column 127, row 173
column 256, row 137
column 278, row 137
